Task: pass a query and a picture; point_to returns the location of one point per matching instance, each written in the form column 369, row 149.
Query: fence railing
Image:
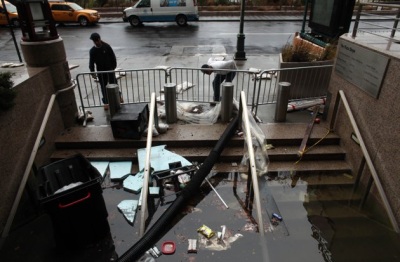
column 367, row 27
column 201, row 88
column 260, row 87
column 135, row 86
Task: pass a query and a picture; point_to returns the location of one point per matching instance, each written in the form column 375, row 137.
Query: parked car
column 12, row 14
column 67, row 12
column 179, row 11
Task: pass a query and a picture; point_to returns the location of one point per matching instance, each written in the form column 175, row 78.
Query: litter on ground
column 101, row 166
column 128, row 209
column 119, row 170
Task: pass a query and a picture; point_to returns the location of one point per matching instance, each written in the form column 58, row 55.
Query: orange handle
column 75, row 202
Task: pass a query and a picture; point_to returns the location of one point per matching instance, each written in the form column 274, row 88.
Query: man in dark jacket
column 102, row 55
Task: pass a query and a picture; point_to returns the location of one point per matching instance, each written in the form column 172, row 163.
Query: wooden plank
column 308, row 132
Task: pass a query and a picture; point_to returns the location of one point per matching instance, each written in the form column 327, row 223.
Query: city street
column 158, row 38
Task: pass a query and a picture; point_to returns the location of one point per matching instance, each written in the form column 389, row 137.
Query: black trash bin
column 79, row 213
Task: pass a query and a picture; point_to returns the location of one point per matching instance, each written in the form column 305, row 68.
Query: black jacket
column 103, row 57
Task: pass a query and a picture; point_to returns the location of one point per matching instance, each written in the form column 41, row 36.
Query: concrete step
column 194, row 142
column 309, row 179
column 331, row 209
column 307, row 194
column 229, row 154
column 191, row 135
column 197, row 154
column 319, row 152
column 176, row 136
column 312, row 166
column 292, row 134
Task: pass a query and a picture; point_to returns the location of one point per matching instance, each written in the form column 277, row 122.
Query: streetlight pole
column 240, row 53
column 12, row 31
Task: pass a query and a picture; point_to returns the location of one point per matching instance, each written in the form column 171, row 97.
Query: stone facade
column 379, row 124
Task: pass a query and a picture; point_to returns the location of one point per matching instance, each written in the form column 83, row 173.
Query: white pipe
column 374, row 174
column 253, row 171
column 213, row 188
column 145, row 187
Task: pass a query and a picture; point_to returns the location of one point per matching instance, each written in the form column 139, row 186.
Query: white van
column 179, row 11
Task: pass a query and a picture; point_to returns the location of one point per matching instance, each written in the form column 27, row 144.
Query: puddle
column 312, row 226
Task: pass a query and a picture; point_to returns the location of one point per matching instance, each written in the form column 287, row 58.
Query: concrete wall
column 379, row 124
column 19, row 129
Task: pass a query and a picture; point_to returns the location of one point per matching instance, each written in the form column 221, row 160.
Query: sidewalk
column 208, row 16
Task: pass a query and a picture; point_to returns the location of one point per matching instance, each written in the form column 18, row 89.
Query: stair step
column 308, row 194
column 312, row 166
column 312, row 179
column 194, row 142
column 330, row 209
column 176, row 136
column 320, row 152
column 231, row 153
column 279, row 134
column 193, row 154
column 360, row 226
column 188, row 135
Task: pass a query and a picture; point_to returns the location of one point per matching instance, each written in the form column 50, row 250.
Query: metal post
column 113, row 98
column 240, row 53
column 170, row 102
column 282, row 101
column 12, row 31
column 227, row 101
column 303, row 25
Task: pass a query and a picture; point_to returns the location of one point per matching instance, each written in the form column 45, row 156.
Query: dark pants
column 104, row 80
column 218, row 79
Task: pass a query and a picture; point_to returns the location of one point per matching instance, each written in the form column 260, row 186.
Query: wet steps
column 194, row 142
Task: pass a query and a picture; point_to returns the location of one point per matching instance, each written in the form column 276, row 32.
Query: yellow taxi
column 67, row 12
column 12, row 14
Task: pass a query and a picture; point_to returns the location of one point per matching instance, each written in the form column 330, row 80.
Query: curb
column 220, row 13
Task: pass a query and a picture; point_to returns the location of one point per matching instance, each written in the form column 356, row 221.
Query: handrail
column 30, row 162
column 367, row 157
column 245, row 119
column 145, row 187
column 370, row 26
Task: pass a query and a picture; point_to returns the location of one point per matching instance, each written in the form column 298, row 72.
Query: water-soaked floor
column 313, row 227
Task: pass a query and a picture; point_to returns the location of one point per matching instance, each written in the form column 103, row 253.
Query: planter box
column 306, row 78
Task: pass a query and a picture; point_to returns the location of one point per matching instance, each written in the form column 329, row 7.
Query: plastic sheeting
column 260, row 146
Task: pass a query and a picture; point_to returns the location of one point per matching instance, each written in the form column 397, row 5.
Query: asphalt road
column 158, row 38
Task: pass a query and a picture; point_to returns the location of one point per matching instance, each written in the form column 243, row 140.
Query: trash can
column 70, row 192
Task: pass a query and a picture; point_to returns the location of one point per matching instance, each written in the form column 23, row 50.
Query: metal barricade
column 192, row 85
column 135, row 86
column 306, row 83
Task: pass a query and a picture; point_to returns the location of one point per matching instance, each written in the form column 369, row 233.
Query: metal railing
column 306, row 83
column 135, row 86
column 368, row 27
column 192, row 85
column 147, row 165
column 252, row 161
column 341, row 97
column 201, row 84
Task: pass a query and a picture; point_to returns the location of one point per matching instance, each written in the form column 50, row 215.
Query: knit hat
column 94, row 36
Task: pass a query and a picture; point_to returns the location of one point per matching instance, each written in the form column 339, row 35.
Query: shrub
column 7, row 94
column 301, row 52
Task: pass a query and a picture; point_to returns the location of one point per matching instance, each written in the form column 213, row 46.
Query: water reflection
column 339, row 229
